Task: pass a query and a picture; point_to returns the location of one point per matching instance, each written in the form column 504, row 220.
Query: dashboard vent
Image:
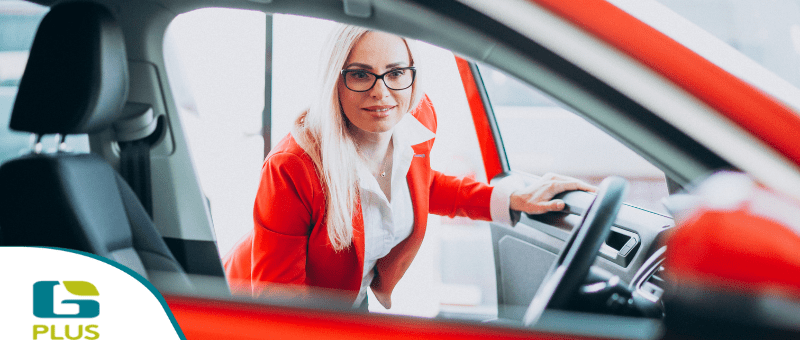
column 653, row 287
column 649, row 280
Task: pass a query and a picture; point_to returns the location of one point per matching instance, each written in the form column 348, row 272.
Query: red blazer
column 289, row 243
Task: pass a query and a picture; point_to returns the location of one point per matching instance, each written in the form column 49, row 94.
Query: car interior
column 77, row 83
column 98, row 68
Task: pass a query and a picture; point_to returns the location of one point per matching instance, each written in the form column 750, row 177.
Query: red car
column 585, row 88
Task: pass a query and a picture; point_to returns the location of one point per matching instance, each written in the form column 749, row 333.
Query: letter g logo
column 43, row 299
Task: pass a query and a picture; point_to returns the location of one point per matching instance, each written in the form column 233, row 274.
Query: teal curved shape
column 133, row 274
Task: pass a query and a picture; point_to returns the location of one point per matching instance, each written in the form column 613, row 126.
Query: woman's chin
column 382, row 126
column 381, row 129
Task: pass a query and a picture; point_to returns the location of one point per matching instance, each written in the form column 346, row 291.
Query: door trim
column 490, row 141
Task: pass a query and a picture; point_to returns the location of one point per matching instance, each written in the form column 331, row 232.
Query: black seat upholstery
column 76, row 81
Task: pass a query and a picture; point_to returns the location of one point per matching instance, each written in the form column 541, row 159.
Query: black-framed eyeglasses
column 394, row 79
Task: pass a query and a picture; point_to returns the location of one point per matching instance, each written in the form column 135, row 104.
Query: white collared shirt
column 388, row 223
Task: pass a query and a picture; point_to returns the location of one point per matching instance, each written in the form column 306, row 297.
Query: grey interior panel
column 522, row 267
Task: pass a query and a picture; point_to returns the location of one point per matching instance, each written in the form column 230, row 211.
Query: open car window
column 242, row 91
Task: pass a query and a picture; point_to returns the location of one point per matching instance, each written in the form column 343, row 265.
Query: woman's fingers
column 546, row 206
column 552, row 188
column 586, row 187
column 538, row 198
column 570, row 184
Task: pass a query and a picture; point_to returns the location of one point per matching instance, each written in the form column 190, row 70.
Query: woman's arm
column 459, row 196
column 453, row 196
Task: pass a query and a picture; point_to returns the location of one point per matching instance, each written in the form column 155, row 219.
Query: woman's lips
column 379, row 111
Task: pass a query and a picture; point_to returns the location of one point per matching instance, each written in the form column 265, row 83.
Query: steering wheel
column 570, row 269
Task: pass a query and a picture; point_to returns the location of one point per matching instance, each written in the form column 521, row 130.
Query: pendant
column 383, row 174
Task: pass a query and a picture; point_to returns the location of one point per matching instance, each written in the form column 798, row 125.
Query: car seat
column 76, row 82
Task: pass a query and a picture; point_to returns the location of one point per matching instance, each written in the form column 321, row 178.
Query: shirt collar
column 410, row 131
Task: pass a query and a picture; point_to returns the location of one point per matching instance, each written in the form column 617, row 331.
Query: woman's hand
column 538, row 198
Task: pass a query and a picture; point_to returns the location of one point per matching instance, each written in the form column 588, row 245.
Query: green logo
column 43, row 303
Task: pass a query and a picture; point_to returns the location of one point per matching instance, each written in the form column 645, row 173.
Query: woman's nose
column 379, row 90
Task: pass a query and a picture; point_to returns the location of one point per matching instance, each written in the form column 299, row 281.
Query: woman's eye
column 358, row 75
column 397, row 73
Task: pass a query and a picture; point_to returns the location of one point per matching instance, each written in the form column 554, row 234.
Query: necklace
column 383, row 166
column 383, row 169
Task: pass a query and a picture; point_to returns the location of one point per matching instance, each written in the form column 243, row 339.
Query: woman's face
column 378, row 109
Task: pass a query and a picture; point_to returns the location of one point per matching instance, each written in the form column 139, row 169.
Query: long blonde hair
column 323, row 134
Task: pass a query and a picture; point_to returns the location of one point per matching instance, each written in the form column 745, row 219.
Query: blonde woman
column 344, row 199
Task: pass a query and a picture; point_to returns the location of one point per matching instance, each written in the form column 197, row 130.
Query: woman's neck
column 372, row 145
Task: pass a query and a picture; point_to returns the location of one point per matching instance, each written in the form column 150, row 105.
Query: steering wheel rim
column 573, row 263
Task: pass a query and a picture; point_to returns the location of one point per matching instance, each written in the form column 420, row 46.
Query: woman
column 344, row 199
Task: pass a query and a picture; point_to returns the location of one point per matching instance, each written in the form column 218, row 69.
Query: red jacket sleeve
column 282, row 214
column 458, row 196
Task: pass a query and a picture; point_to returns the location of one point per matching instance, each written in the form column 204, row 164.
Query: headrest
column 76, row 80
